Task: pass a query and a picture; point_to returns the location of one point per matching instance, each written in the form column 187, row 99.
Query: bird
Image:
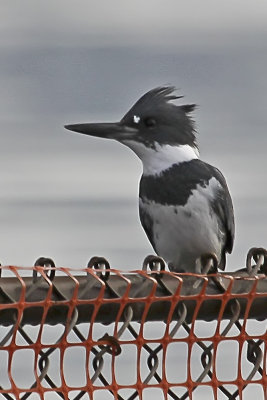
column 185, row 206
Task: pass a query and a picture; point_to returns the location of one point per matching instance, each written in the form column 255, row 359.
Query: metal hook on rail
column 154, row 263
column 100, row 263
column 48, row 265
column 259, row 255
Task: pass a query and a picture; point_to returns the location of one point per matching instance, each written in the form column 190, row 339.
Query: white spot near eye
column 136, row 119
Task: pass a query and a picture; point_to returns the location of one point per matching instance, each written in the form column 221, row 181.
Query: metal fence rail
column 103, row 334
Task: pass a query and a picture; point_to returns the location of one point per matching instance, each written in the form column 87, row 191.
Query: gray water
column 70, row 197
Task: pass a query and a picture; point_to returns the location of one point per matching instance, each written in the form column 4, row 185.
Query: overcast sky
column 70, row 197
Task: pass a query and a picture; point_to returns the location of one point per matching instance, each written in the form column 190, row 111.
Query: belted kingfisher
column 184, row 204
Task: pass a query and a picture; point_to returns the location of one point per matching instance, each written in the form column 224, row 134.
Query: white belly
column 181, row 234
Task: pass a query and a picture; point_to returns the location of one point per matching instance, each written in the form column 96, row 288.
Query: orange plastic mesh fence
column 88, row 334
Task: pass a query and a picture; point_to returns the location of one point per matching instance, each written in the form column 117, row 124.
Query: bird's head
column 153, row 122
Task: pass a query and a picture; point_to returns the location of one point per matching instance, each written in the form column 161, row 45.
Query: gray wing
column 147, row 224
column 223, row 206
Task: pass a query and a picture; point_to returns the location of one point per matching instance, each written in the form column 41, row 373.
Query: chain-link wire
column 145, row 322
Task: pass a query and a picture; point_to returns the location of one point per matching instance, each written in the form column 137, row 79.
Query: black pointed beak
column 115, row 130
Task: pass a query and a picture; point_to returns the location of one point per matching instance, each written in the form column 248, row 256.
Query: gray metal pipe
column 101, row 297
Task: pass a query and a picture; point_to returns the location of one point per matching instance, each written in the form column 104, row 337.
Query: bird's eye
column 150, row 122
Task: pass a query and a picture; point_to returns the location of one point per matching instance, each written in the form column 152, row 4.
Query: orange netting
column 139, row 335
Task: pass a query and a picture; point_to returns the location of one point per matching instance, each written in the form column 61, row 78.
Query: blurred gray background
column 70, row 197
